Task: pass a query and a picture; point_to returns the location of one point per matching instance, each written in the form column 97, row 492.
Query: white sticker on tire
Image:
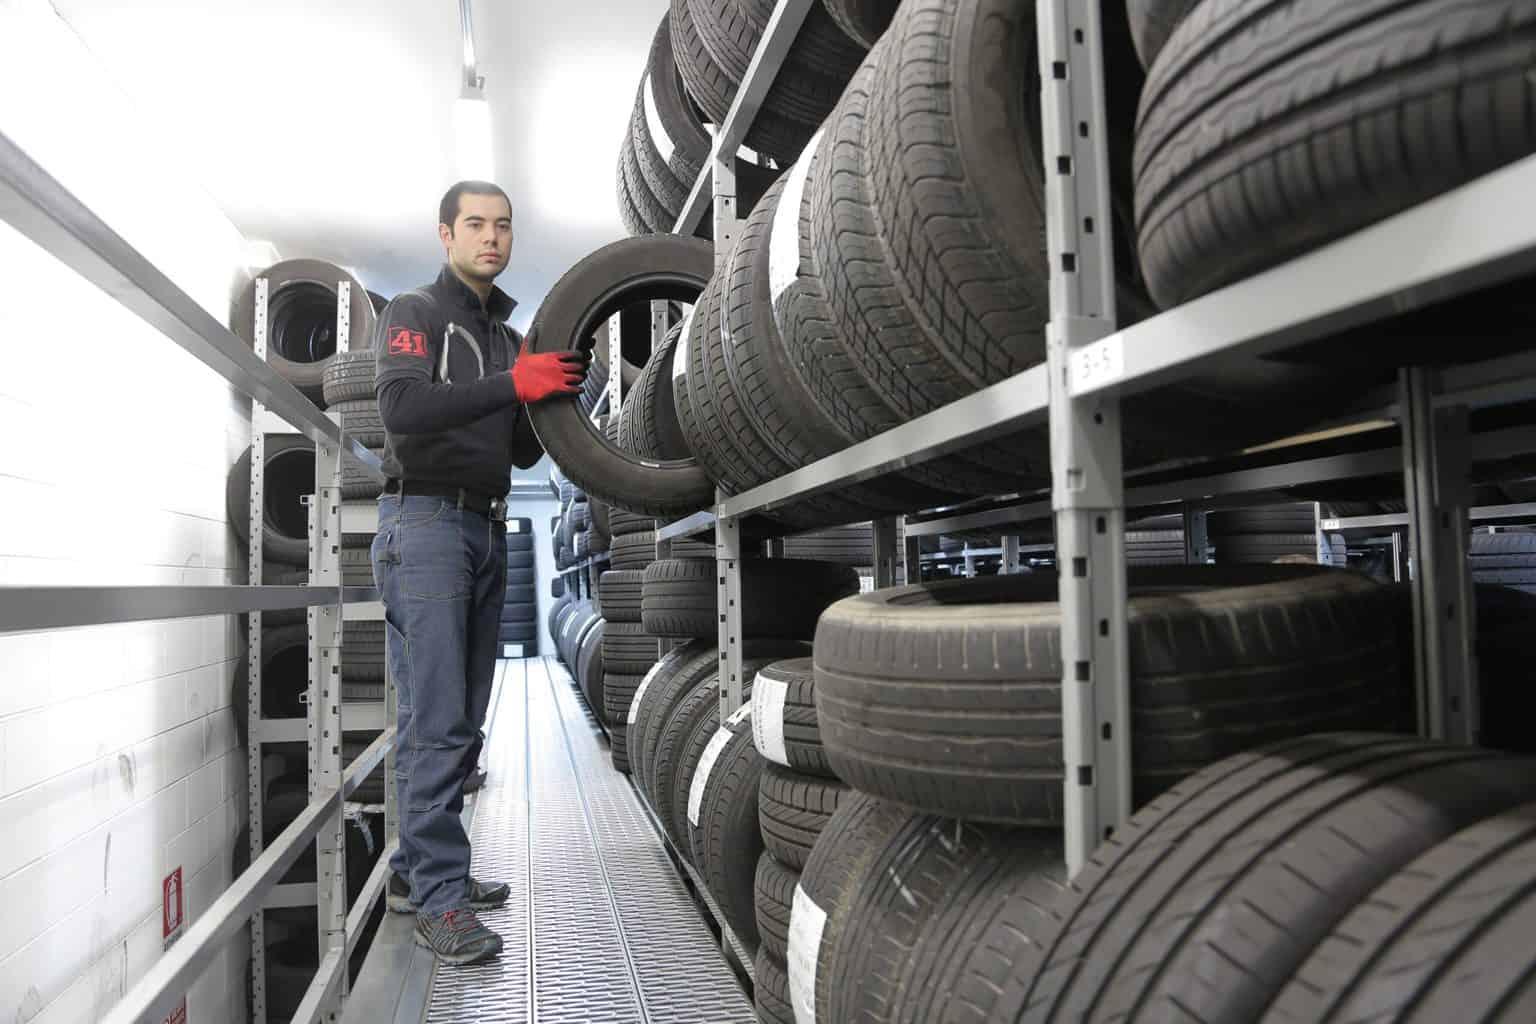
column 634, row 704
column 653, row 121
column 680, row 350
column 784, row 239
column 717, row 744
column 768, row 697
column 806, row 923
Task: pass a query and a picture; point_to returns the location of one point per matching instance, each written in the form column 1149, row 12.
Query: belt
column 491, row 508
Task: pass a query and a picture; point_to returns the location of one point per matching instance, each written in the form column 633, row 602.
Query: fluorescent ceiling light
column 472, row 139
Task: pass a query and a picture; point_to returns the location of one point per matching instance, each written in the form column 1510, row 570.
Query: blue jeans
column 442, row 572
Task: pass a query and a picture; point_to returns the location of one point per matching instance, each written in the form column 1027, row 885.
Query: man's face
column 480, row 241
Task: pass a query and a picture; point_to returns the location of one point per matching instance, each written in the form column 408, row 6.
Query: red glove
column 540, row 375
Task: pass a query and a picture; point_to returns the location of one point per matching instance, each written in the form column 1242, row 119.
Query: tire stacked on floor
column 797, row 795
column 628, row 654
column 1252, row 536
column 519, row 629
column 939, row 704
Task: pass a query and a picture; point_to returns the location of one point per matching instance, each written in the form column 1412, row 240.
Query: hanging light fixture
column 473, row 152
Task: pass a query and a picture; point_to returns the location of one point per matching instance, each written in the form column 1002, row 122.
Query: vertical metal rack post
column 324, row 733
column 1437, row 483
column 253, row 747
column 1087, row 486
column 728, row 227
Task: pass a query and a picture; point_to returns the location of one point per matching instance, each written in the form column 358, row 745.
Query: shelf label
column 768, row 697
column 653, row 121
column 806, row 923
column 634, row 704
column 712, row 754
column 784, row 236
column 680, row 348
column 1094, row 365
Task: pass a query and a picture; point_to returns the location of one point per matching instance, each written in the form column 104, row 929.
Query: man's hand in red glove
column 540, row 375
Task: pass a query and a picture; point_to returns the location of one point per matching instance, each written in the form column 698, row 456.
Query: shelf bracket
column 728, row 582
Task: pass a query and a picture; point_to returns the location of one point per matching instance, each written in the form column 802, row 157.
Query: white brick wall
column 118, row 760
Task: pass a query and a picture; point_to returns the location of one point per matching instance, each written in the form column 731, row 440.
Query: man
column 453, row 383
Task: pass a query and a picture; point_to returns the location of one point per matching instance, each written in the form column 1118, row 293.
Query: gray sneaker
column 457, row 937
column 397, row 896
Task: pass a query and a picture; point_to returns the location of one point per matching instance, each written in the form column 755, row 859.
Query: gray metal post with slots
column 615, row 367
column 1197, row 537
column 1013, row 560
column 325, row 725
column 1437, row 483
column 253, row 746
column 912, row 551
column 728, row 581
column 1087, row 487
column 884, row 553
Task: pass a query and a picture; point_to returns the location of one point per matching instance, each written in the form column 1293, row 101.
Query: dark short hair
column 448, row 209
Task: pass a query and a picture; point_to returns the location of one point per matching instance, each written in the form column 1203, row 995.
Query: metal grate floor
column 600, row 927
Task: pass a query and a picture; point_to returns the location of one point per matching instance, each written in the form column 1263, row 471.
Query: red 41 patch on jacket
column 403, row 342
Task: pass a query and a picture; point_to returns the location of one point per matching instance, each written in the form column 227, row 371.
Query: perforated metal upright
column 253, row 746
column 727, row 529
column 1437, row 483
column 324, row 695
column 1087, row 489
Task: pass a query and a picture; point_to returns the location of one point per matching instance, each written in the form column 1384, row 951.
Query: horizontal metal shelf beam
column 41, row 208
column 363, row 611
column 691, row 526
column 1483, row 514
column 371, row 757
column 323, row 988
column 1434, row 251
column 1001, row 408
column 33, row 608
column 356, row 716
column 373, row 888
column 778, row 36
column 1221, row 489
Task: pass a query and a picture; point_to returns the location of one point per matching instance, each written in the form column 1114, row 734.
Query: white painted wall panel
column 118, row 758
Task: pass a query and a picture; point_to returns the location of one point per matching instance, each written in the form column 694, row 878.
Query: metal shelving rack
column 43, row 210
column 1442, row 248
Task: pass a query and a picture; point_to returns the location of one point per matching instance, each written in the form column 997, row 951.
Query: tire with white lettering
column 666, row 267
column 1207, row 902
column 787, row 690
column 1256, row 109
column 722, row 819
column 860, row 829
column 918, row 906
column 677, row 674
column 793, row 809
column 1222, row 659
column 301, row 320
column 679, row 747
column 773, row 897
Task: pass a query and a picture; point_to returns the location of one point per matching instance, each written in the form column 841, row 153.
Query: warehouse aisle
column 600, row 928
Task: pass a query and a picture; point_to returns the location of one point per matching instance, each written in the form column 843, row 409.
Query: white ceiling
column 326, row 127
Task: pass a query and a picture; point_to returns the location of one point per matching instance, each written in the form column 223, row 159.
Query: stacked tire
column 798, row 794
column 939, row 705
column 302, row 329
column 518, row 635
column 1271, row 533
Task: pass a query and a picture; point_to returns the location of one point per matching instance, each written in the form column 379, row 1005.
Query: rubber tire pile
column 703, row 778
column 520, row 609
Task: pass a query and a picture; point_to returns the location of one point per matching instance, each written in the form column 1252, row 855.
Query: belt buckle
column 499, row 508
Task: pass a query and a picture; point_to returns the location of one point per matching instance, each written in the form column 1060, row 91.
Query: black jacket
column 450, row 412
